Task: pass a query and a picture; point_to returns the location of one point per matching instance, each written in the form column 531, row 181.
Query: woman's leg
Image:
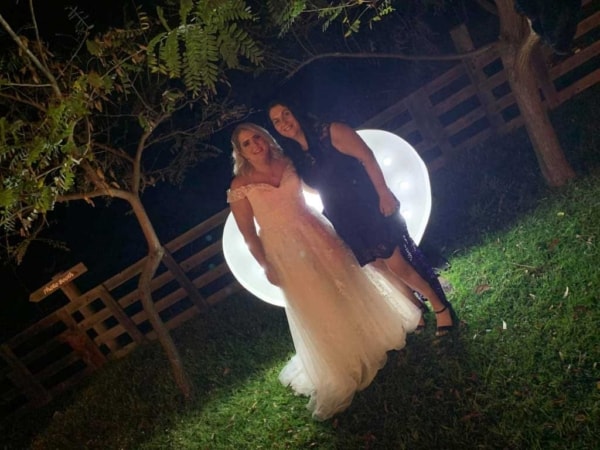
column 415, row 257
column 399, row 284
column 409, row 275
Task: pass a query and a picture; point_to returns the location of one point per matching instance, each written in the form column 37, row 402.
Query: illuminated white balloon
column 406, row 175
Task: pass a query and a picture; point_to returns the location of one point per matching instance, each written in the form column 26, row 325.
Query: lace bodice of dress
column 273, row 206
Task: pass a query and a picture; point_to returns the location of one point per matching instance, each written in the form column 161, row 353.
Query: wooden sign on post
column 58, row 281
column 74, row 336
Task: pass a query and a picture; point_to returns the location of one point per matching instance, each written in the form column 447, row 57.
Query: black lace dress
column 351, row 204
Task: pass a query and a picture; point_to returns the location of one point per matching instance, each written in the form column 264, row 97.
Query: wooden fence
column 108, row 321
column 463, row 107
column 472, row 102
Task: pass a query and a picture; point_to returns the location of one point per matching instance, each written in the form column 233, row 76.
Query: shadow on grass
column 130, row 400
column 425, row 397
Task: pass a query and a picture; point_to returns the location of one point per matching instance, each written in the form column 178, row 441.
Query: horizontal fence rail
column 108, row 321
column 473, row 101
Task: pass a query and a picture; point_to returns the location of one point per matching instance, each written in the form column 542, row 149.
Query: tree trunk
column 155, row 254
column 517, row 43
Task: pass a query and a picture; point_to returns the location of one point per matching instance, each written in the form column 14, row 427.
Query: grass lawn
column 523, row 372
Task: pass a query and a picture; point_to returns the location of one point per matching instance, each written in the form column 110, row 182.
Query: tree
column 517, row 45
column 79, row 122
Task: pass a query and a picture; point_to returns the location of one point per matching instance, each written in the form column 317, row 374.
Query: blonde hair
column 240, row 165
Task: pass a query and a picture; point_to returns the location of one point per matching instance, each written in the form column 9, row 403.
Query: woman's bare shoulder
column 238, row 182
column 343, row 136
column 339, row 127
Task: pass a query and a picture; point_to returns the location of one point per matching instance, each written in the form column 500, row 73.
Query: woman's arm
column 244, row 217
column 347, row 141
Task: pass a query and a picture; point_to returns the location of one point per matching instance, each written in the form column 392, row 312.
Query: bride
column 342, row 318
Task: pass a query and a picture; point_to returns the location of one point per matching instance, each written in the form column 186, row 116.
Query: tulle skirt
column 343, row 318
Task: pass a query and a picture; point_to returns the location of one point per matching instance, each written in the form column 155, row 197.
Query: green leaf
column 94, row 48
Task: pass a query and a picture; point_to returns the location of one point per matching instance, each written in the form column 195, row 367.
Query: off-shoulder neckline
column 264, row 184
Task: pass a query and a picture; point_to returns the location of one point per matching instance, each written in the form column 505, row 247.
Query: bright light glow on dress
column 404, row 172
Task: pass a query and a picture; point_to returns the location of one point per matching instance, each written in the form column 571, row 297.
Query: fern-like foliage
column 37, row 162
column 351, row 13
column 208, row 39
column 283, row 13
column 78, row 126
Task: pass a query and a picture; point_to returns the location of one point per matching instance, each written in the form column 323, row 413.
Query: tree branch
column 20, row 100
column 452, row 57
column 27, row 85
column 31, row 56
column 37, row 33
column 115, row 151
column 137, row 164
column 103, row 189
column 108, row 192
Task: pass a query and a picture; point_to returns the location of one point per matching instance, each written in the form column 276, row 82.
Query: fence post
column 463, row 43
column 120, row 315
column 197, row 299
column 78, row 339
column 420, row 108
column 64, row 282
column 80, row 342
column 30, row 386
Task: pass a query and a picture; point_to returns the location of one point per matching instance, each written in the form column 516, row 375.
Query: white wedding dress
column 342, row 318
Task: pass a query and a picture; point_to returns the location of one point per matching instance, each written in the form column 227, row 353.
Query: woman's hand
column 388, row 203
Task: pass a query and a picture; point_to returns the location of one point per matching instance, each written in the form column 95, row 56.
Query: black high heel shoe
column 445, row 329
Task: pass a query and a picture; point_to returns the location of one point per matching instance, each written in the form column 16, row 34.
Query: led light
column 399, row 162
column 313, row 199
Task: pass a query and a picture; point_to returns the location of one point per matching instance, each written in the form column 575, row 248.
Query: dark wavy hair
column 311, row 126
